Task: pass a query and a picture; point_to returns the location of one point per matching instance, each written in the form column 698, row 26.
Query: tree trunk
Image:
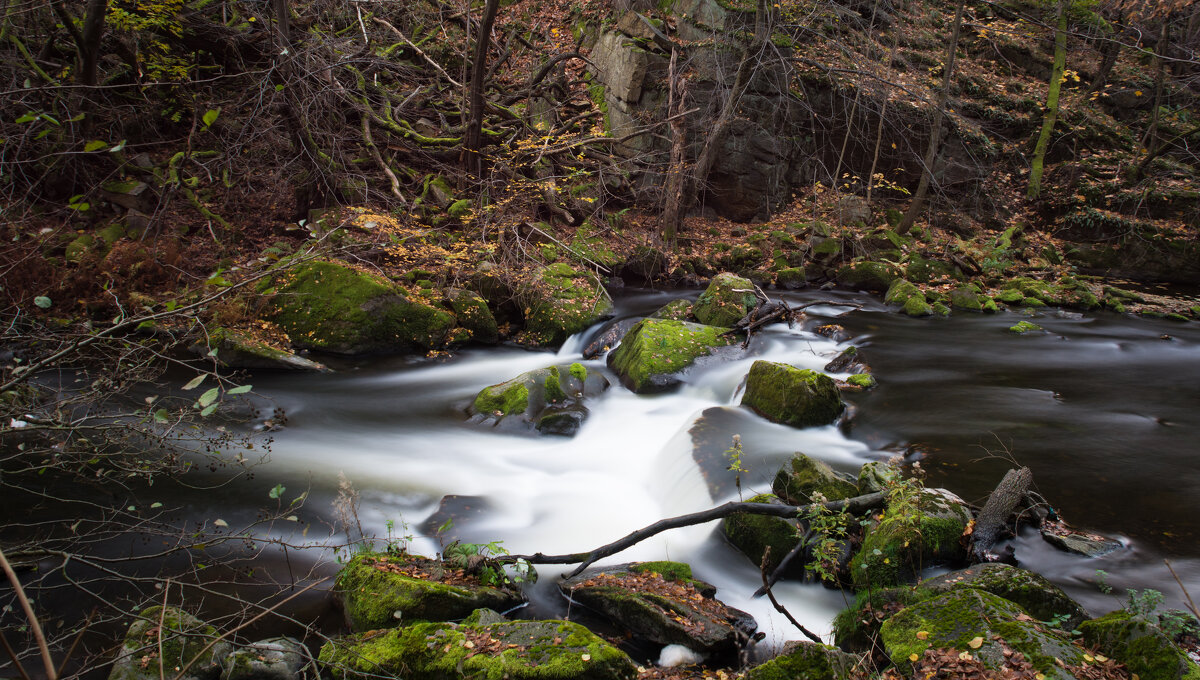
column 1108, row 59
column 1051, row 116
column 935, row 136
column 282, row 20
column 472, row 160
column 673, row 191
column 89, row 49
column 1151, row 141
column 992, row 523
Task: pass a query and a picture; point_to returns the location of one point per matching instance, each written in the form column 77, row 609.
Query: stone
column 1036, row 595
column 791, row 278
column 909, row 297
column 810, row 661
column 1079, row 542
column 849, row 360
column 877, row 476
column 852, row 210
column 233, row 350
column 802, row 478
column 1023, row 327
column 728, row 298
column 654, row 352
column 278, row 658
column 516, row 650
column 550, row 400
column 1141, row 645
column 183, row 639
column 130, row 195
column 376, row 592
column 752, row 534
column 472, row 313
column 918, row 532
column 791, row 396
column 872, row 276
column 561, row 302
column 660, row 602
column 676, row 310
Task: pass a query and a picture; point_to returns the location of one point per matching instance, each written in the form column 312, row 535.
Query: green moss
column 909, row 297
column 1140, row 645
column 967, row 297
column 1010, row 296
column 863, row 380
column 791, row 396
column 909, row 538
column 678, row 310
column 1042, row 599
column 78, row 247
column 183, row 638
column 726, row 300
column 808, row 661
column 753, row 534
column 473, row 315
column 856, row 628
column 554, row 391
column 506, row 398
column 1024, row 327
column 803, row 477
column 672, row 571
column 791, row 277
column 873, row 276
column 460, row 208
column 921, row 270
column 561, row 302
column 579, row 372
column 655, row 349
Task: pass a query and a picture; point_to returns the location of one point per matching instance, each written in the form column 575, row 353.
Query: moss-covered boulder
column 877, row 476
column 559, row 302
column 660, row 602
column 655, row 351
column 791, row 278
column 278, row 658
column 1023, row 327
column 1141, row 645
column 919, row 528
column 792, row 396
column 549, row 400
column 728, row 298
column 876, row 277
column 380, row 590
column 752, row 534
column 513, row 650
column 809, row 661
column 1066, row 292
column 802, row 478
column 1041, row 598
column 676, row 310
column 183, row 639
column 856, row 628
column 982, row 625
column 331, row 307
column 236, row 350
column 473, row 314
column 909, row 297
column 971, row 298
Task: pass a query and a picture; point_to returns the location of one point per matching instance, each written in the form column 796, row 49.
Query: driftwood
column 854, row 505
column 992, row 523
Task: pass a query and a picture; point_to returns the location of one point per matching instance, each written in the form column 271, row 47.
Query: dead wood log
column 992, row 523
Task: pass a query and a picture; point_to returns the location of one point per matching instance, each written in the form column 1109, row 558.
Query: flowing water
column 1103, row 409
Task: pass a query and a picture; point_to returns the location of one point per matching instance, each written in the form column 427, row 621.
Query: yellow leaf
column 965, row 656
column 913, row 657
column 1137, row 93
column 1101, row 658
column 976, row 642
column 922, row 635
column 1088, row 658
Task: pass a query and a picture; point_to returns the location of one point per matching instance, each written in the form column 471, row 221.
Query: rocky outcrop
column 655, row 351
column 791, row 396
column 473, row 314
column 549, row 400
column 1041, row 598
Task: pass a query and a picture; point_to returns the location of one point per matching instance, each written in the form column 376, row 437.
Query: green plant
column 826, row 531
column 479, row 559
column 734, row 455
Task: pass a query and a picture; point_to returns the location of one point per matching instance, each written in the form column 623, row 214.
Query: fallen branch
column 779, row 607
column 992, row 522
column 854, row 505
column 424, row 56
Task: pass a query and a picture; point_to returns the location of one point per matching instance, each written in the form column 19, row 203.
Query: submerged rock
column 379, row 590
column 183, row 638
column 549, row 400
column 791, row 396
column 727, row 299
column 802, row 477
column 516, row 650
column 655, row 351
column 660, row 602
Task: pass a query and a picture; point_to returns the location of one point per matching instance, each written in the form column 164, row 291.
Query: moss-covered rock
column 876, row 277
column 726, row 300
column 970, row 298
column 1022, row 327
column 235, row 350
column 856, row 628
column 792, row 396
column 675, row 310
column 921, row 270
column 918, row 529
column 654, row 351
column 753, row 534
column 1041, row 598
column 183, row 638
column 791, row 278
column 862, row 380
column 550, row 400
column 667, row 607
column 1066, row 292
column 560, row 302
column 980, row 624
column 909, row 297
column 802, row 477
column 1141, row 645
column 877, row 476
column 278, row 658
column 809, row 661
column 473, row 314
column 377, row 591
column 513, row 650
column 330, row 307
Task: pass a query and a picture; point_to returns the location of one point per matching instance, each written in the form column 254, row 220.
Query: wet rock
column 752, row 534
column 1079, row 542
column 560, row 302
column 549, row 400
column 678, row 310
column 1023, row 327
column 278, row 658
column 655, row 351
column 877, row 476
column 517, row 650
column 909, row 297
column 873, row 276
column 1041, row 598
column 802, row 478
column 918, row 530
column 1141, row 645
column 461, row 511
column 833, row 331
column 810, row 661
column 980, row 624
column 660, row 602
column 970, row 298
column 608, row 338
column 727, row 299
column 791, row 396
column 379, row 590
column 234, row 350
column 183, row 638
column 850, row 360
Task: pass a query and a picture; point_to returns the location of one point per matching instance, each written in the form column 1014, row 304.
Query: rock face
column 560, row 302
column 753, row 534
column 382, row 591
column 183, row 638
column 727, row 299
column 803, row 477
column 548, row 400
column 809, row 661
column 917, row 532
column 330, row 307
column 274, row 659
column 660, row 602
column 975, row 622
column 1141, row 645
column 1041, row 598
column 517, row 650
column 654, row 351
column 792, row 396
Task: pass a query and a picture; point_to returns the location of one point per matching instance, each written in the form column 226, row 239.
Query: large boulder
column 660, row 602
column 909, row 297
column 548, row 400
column 920, row 527
column 1041, row 598
column 809, row 661
column 655, row 351
column 274, row 659
column 1141, row 645
column 473, row 314
column 727, row 299
column 986, row 628
column 516, row 650
column 559, row 302
column 802, row 477
column 380, row 590
column 791, row 396
column 331, row 307
column 867, row 275
column 753, row 534
column 182, row 639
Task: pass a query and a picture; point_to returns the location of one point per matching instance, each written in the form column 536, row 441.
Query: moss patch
column 808, row 661
column 1140, row 645
column 654, row 350
column 791, row 396
column 801, row 478
column 909, row 297
column 726, row 300
column 561, row 302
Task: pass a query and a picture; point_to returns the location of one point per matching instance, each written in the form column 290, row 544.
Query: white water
column 399, row 436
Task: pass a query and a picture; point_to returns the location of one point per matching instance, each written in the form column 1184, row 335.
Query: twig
column 13, row 655
column 162, row 617
column 1186, row 594
column 779, row 607
column 51, row 672
column 418, row 51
